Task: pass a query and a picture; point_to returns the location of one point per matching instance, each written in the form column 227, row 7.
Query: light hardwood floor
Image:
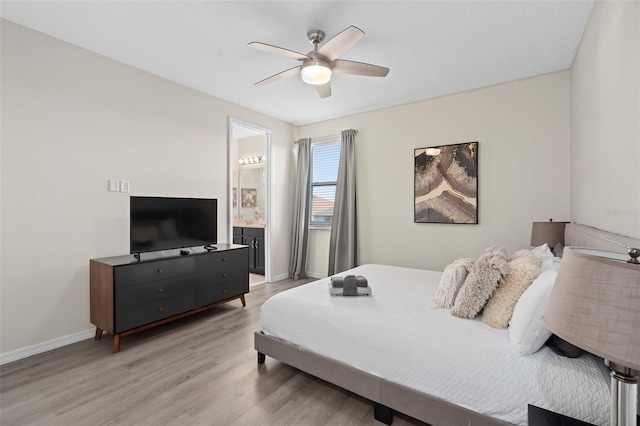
column 255, row 279
column 200, row 370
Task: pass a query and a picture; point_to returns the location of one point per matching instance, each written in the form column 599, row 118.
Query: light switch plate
column 114, row 185
column 124, row 186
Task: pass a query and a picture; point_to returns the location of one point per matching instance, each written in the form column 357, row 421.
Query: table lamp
column 595, row 305
column 549, row 232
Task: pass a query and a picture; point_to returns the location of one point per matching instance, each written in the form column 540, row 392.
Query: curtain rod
column 326, row 138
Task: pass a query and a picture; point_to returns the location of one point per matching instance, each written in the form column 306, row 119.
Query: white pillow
column 527, row 333
column 543, row 252
column 551, row 264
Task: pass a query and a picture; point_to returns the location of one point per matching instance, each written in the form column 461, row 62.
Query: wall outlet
column 114, row 185
column 124, row 186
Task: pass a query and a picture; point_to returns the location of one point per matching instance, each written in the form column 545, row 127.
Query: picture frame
column 249, row 197
column 446, row 184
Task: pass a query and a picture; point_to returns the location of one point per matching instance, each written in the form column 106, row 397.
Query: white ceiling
column 432, row 48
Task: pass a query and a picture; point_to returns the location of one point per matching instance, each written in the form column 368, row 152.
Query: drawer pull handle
column 160, row 309
column 160, row 290
column 224, row 259
column 224, row 291
column 225, row 275
column 160, row 271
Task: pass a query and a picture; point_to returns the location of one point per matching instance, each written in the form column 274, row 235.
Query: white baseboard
column 309, row 274
column 279, row 278
column 316, row 275
column 39, row 348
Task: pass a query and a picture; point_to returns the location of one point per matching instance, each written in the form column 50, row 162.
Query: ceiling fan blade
column 342, row 42
column 342, row 66
column 324, row 90
column 279, row 50
column 279, row 76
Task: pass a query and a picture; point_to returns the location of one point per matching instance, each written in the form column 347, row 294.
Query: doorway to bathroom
column 249, row 193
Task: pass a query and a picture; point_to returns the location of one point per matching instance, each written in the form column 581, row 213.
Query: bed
column 399, row 351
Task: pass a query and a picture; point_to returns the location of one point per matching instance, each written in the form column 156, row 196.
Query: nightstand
column 541, row 417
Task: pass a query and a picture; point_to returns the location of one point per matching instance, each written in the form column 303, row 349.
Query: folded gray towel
column 350, row 287
column 338, row 282
column 360, row 291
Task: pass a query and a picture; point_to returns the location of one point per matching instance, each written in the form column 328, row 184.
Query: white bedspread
column 399, row 335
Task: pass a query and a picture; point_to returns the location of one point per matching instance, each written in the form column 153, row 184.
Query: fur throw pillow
column 452, row 279
column 483, row 278
column 529, row 255
column 499, row 309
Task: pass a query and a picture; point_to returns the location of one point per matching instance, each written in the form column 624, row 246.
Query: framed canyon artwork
column 446, row 184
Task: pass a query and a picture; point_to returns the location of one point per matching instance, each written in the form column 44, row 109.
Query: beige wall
column 605, row 120
column 71, row 120
column 523, row 133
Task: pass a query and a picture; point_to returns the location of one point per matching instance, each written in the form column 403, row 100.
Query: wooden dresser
column 127, row 295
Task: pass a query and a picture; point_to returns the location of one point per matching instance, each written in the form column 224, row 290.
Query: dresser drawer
column 220, row 276
column 139, row 273
column 224, row 262
column 253, row 232
column 127, row 318
column 154, row 291
column 205, row 295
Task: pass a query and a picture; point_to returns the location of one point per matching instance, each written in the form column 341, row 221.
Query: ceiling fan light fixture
column 315, row 72
column 318, row 65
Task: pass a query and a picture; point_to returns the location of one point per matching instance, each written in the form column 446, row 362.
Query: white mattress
column 398, row 334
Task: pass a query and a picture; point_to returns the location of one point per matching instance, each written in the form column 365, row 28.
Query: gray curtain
column 300, row 231
column 343, row 247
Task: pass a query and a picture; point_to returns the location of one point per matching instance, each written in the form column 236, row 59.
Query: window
column 324, row 174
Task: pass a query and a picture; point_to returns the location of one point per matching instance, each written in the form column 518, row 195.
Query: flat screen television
column 163, row 223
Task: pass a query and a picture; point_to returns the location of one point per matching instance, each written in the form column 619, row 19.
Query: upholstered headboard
column 587, row 236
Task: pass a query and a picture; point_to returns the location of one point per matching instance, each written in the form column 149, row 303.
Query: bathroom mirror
column 249, row 178
column 250, row 194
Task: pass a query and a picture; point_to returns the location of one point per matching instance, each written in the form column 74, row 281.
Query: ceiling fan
column 318, row 65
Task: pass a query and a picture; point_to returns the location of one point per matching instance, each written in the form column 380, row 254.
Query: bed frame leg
column 382, row 413
column 261, row 358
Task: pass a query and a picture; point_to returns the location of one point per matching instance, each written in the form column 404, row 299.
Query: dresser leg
column 244, row 303
column 116, row 343
column 98, row 334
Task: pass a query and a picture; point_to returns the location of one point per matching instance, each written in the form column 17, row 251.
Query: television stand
column 128, row 295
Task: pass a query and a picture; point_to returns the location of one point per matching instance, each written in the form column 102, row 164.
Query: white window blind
column 324, row 174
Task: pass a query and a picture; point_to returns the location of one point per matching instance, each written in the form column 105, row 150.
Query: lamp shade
column 595, row 305
column 549, row 232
